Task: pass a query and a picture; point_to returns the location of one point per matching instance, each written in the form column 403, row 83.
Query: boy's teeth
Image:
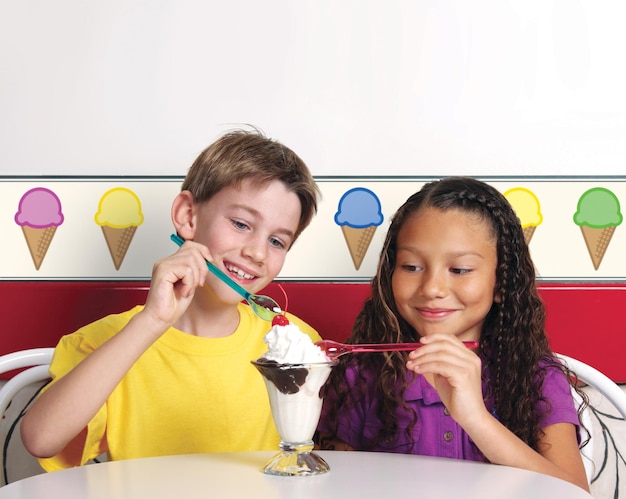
column 240, row 273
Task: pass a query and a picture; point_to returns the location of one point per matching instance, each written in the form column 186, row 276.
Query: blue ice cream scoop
column 359, row 214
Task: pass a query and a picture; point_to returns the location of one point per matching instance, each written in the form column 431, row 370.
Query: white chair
column 608, row 389
column 594, row 378
column 36, row 361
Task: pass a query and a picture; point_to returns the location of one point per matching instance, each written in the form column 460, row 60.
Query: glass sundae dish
column 294, row 393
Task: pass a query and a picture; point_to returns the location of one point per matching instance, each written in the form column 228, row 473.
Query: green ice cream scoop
column 598, row 208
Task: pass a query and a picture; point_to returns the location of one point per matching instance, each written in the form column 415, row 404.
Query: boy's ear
column 184, row 215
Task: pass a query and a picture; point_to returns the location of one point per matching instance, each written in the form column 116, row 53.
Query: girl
column 454, row 268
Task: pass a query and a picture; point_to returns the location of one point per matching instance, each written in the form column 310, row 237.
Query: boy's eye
column 277, row 243
column 240, row 225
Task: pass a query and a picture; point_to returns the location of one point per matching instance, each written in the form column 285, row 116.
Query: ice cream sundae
column 294, row 370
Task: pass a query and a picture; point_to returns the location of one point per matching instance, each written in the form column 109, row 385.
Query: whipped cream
column 294, row 370
column 287, row 344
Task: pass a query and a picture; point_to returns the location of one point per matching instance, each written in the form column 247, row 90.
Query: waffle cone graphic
column 597, row 241
column 528, row 233
column 118, row 241
column 38, row 241
column 358, row 241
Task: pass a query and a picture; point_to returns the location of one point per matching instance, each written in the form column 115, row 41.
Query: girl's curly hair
column 513, row 344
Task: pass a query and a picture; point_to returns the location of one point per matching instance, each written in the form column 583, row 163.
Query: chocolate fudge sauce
column 288, row 378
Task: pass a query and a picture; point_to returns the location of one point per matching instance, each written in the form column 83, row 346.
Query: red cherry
column 280, row 320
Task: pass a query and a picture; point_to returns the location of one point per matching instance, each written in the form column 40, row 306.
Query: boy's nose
column 256, row 249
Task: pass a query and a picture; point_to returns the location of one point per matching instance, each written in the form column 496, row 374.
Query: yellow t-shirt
column 185, row 394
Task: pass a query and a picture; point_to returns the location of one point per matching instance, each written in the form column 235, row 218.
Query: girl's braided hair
column 513, row 344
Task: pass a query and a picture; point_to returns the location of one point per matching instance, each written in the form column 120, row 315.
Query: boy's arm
column 63, row 411
column 61, row 414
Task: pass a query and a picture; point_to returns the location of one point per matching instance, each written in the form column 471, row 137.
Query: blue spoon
column 263, row 306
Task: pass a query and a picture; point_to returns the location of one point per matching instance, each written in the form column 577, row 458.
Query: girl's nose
column 434, row 284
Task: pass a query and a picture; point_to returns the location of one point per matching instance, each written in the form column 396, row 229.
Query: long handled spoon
column 263, row 306
column 333, row 349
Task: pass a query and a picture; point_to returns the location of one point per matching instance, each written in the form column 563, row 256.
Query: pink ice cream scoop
column 39, row 214
column 39, row 208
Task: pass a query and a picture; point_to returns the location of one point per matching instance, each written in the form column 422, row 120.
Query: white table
column 352, row 474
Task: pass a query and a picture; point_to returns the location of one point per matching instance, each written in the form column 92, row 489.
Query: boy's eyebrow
column 256, row 213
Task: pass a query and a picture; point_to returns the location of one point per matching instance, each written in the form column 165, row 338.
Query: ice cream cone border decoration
column 598, row 214
column 38, row 241
column 597, row 242
column 528, row 233
column 39, row 214
column 527, row 208
column 119, row 214
column 359, row 214
column 118, row 242
column 358, row 241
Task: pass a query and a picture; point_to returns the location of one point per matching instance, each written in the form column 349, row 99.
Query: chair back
column 603, row 444
column 594, row 378
column 35, row 363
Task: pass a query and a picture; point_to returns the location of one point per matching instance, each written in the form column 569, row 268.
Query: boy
column 174, row 376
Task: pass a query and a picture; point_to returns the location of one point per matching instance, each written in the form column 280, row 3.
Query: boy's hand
column 175, row 280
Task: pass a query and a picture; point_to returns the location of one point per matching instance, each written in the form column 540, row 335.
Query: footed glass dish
column 294, row 394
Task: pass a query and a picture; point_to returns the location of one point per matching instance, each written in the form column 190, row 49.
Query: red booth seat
column 585, row 321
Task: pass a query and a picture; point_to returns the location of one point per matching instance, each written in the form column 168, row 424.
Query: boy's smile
column 445, row 272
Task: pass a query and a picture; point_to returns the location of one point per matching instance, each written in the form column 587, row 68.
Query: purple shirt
column 436, row 433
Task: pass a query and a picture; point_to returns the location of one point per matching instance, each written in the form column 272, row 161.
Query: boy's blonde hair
column 240, row 155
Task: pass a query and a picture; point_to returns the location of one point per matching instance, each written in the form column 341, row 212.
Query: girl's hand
column 454, row 371
column 174, row 282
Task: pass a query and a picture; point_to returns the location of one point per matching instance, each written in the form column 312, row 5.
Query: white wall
column 415, row 87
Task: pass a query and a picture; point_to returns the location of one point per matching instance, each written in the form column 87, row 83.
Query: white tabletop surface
column 352, row 474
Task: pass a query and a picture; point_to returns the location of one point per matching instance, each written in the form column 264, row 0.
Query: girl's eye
column 277, row 243
column 410, row 268
column 460, row 271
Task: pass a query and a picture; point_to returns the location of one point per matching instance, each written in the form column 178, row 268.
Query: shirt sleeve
column 559, row 406
column 69, row 352
column 304, row 327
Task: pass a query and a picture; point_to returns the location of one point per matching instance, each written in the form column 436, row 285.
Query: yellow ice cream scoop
column 119, row 208
column 527, row 209
column 526, row 206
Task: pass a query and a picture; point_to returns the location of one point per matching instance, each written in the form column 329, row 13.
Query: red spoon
column 333, row 349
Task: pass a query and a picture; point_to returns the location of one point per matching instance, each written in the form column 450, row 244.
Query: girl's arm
column 558, row 455
column 455, row 372
column 59, row 417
